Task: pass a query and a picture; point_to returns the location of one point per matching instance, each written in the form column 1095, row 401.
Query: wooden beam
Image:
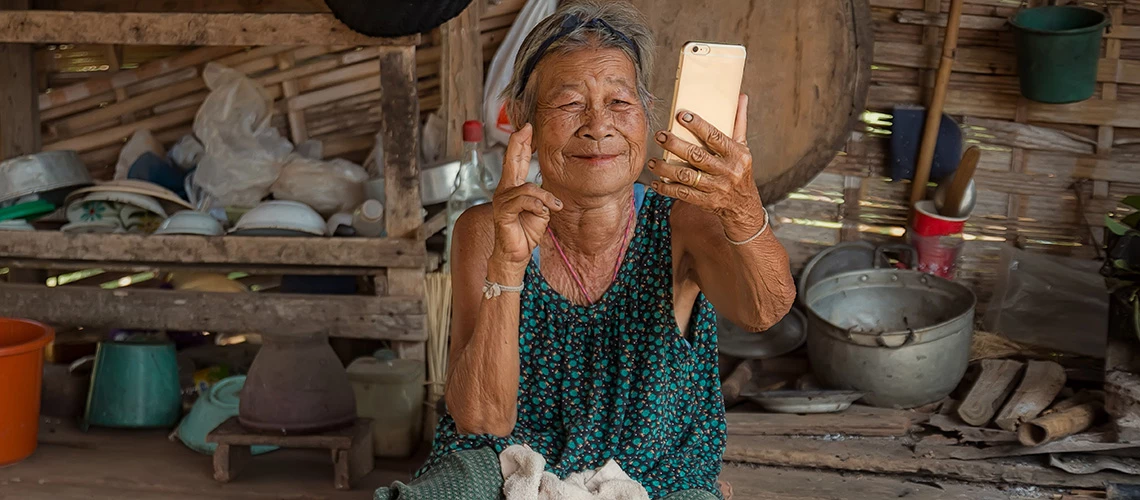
column 19, row 116
column 856, row 421
column 145, row 28
column 462, row 70
column 398, row 139
column 354, row 316
column 231, row 251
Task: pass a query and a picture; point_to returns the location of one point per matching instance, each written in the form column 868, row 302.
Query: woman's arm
column 749, row 282
column 493, row 242
column 483, row 363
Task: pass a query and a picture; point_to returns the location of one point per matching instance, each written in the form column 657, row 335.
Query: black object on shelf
column 389, row 18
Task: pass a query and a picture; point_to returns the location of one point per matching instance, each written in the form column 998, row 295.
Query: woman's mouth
column 595, row 160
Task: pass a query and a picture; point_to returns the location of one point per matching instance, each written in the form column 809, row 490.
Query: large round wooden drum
column 808, row 69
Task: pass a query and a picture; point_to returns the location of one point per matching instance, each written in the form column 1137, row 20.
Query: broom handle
column 934, row 111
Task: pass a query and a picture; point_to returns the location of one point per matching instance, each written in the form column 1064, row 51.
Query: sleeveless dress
column 616, row 379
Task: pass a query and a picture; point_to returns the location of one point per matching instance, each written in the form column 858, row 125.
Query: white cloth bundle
column 524, row 478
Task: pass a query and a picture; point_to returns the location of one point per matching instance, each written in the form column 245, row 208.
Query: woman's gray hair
column 619, row 25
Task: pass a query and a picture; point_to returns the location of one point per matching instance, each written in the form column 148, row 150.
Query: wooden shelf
column 150, row 28
column 353, row 316
column 263, row 254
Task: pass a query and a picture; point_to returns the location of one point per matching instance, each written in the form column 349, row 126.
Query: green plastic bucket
column 1058, row 49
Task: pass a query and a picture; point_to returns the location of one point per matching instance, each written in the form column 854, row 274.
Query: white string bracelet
column 757, row 235
column 492, row 289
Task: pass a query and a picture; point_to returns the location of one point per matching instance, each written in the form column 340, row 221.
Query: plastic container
column 22, row 344
column 391, row 392
column 937, row 239
column 1058, row 48
column 209, row 411
column 134, row 385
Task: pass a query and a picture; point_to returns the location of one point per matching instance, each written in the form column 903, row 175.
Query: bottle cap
column 472, row 131
column 372, row 210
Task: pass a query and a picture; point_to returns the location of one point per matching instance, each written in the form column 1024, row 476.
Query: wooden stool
column 351, row 449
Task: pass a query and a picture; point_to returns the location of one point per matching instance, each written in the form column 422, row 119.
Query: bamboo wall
column 1048, row 173
column 95, row 97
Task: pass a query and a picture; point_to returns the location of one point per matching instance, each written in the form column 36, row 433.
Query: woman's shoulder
column 474, row 231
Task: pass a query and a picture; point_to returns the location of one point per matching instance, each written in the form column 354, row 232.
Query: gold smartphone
column 708, row 82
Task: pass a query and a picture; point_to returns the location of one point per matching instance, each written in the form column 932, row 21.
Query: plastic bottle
column 368, row 219
column 470, row 183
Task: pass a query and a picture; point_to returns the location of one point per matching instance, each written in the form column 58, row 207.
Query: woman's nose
column 598, row 125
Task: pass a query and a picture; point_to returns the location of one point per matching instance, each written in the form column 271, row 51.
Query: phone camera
column 696, row 49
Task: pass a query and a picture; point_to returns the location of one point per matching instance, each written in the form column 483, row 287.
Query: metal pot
column 903, row 337
column 50, row 174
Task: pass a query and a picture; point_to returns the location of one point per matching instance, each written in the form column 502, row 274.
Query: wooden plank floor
column 114, row 464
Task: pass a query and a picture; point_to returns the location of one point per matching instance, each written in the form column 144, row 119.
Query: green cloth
column 474, row 475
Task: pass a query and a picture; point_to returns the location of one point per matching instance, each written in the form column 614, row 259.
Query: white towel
column 524, row 478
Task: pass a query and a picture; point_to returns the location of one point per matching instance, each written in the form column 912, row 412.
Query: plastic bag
column 187, row 152
column 327, row 186
column 141, row 142
column 1049, row 301
column 244, row 153
column 495, row 120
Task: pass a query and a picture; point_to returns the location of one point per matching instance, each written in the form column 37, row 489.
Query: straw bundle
column 438, row 290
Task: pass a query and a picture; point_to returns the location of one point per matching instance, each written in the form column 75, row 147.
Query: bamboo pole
column 937, row 102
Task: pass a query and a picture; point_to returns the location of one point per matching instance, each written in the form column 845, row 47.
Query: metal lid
column 391, row 371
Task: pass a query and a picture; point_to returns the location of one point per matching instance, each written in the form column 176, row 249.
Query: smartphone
column 708, row 82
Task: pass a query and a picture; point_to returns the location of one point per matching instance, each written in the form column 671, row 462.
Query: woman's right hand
column 522, row 209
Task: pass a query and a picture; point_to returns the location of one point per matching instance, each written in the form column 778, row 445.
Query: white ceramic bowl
column 191, row 222
column 282, row 215
column 135, row 200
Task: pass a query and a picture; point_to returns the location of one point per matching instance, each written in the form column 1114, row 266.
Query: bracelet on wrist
column 757, row 235
column 492, row 289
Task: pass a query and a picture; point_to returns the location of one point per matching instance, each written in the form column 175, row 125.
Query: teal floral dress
column 616, row 379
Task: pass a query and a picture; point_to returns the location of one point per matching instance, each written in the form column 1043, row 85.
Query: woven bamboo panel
column 1048, row 173
column 94, row 97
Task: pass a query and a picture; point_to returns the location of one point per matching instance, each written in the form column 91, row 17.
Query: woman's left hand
column 718, row 177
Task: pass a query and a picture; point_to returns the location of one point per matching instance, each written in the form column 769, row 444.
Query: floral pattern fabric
column 616, row 379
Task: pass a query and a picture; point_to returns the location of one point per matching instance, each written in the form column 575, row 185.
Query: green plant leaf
column 1118, row 228
column 1132, row 201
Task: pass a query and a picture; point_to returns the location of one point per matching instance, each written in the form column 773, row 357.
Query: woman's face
column 590, row 128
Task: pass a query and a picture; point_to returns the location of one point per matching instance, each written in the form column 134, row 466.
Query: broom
column 438, row 290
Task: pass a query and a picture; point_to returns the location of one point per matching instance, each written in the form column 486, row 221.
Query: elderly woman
column 583, row 322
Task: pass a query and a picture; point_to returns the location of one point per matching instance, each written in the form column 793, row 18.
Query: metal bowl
column 805, row 401
column 782, row 338
column 841, row 258
column 50, row 174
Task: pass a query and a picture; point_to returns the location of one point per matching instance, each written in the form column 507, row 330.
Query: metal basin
column 902, row 337
column 50, row 174
column 782, row 338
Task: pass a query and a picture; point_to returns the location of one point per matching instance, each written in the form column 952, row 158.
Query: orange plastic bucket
column 22, row 345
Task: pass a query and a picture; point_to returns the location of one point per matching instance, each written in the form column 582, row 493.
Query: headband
column 569, row 24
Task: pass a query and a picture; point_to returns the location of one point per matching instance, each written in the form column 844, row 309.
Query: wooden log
column 1042, row 382
column 398, row 318
column 142, row 28
column 19, row 117
column 855, row 421
column 1057, row 425
column 995, row 381
column 737, row 383
column 235, row 251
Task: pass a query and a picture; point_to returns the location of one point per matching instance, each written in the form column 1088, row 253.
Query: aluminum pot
column 50, row 174
column 903, row 337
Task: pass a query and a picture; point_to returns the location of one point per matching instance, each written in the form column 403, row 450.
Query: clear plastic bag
column 243, row 152
column 1049, row 301
column 327, row 186
column 187, row 152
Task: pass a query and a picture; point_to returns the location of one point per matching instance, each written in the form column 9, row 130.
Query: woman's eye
column 573, row 106
column 619, row 104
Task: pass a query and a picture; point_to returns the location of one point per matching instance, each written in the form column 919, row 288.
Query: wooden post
column 19, row 115
column 399, row 140
column 461, row 72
